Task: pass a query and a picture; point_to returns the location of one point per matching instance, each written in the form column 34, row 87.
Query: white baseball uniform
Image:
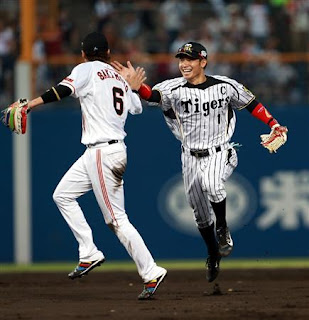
column 105, row 99
column 202, row 117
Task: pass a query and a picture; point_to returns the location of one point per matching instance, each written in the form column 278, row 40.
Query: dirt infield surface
column 237, row 294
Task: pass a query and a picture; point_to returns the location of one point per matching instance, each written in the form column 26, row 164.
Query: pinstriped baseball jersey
column 204, row 114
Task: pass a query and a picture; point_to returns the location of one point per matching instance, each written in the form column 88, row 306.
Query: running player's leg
column 109, row 164
column 198, row 200
column 74, row 184
column 203, row 212
column 216, row 169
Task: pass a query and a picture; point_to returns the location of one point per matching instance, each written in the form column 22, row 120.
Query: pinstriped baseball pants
column 204, row 182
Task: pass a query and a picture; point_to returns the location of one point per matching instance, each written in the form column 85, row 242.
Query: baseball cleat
column 225, row 241
column 84, row 267
column 151, row 287
column 212, row 264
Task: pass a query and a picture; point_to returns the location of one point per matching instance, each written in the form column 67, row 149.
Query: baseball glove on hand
column 276, row 138
column 15, row 116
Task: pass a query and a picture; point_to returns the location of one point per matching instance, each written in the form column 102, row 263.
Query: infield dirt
column 237, row 294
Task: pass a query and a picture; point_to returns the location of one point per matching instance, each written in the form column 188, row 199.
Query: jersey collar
column 210, row 81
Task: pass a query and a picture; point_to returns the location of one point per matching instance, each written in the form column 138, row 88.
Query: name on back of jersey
column 108, row 74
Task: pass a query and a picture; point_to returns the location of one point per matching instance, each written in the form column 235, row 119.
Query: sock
column 209, row 237
column 220, row 213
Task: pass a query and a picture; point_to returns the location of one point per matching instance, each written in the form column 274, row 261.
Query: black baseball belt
column 102, row 143
column 202, row 153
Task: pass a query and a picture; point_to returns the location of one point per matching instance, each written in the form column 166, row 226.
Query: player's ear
column 203, row 63
column 84, row 55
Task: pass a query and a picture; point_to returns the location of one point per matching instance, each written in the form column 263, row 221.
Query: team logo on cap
column 187, row 47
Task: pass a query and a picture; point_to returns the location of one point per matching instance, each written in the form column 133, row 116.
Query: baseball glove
column 276, row 138
column 15, row 116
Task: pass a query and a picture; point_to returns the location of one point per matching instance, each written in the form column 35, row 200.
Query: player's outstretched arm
column 278, row 134
column 136, row 78
column 15, row 116
column 144, row 91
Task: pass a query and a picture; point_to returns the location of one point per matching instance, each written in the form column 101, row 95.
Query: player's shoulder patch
column 247, row 90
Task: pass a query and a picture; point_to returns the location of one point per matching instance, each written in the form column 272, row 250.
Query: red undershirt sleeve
column 261, row 113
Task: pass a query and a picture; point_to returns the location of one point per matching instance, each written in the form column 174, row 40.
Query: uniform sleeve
column 164, row 89
column 241, row 96
column 78, row 80
column 136, row 104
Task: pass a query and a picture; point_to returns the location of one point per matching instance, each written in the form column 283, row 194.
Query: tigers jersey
column 202, row 116
column 105, row 99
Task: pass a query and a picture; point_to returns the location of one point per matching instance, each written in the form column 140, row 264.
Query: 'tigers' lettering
column 205, row 107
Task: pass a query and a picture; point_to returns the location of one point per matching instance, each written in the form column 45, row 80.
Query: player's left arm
column 260, row 112
column 244, row 98
column 278, row 134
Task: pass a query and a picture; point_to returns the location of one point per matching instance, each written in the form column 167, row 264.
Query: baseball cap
column 192, row 49
column 94, row 43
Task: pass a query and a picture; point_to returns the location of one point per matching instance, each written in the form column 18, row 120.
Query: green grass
column 227, row 263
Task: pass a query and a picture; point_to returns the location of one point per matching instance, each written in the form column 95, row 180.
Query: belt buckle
column 199, row 153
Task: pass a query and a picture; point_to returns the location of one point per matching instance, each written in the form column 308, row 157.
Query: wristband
column 145, row 91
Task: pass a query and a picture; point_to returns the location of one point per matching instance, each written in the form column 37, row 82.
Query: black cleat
column 225, row 241
column 84, row 267
column 212, row 264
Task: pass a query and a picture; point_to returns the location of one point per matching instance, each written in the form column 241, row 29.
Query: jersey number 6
column 118, row 102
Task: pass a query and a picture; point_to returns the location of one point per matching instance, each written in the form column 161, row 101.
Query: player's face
column 192, row 69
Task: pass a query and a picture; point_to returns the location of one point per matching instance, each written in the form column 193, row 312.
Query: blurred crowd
column 141, row 28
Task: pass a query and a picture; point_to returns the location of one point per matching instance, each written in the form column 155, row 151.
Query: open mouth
column 186, row 71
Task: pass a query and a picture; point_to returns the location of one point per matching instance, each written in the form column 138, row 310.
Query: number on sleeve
column 118, row 102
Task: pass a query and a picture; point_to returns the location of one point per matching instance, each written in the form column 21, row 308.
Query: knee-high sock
column 209, row 237
column 220, row 213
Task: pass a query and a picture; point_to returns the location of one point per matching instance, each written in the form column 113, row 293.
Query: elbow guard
column 56, row 93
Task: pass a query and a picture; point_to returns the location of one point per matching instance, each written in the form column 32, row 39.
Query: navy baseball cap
column 193, row 50
column 94, row 43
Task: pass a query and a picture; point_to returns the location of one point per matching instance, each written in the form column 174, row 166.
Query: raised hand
column 126, row 71
column 137, row 78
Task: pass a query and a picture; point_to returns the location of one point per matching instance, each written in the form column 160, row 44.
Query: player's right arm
column 53, row 94
column 144, row 90
column 71, row 85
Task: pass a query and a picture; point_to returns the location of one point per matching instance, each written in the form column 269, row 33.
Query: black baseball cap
column 192, row 49
column 94, row 43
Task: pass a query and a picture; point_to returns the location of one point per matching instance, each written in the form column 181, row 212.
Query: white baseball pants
column 101, row 169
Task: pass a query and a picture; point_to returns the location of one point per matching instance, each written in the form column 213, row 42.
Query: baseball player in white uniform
column 199, row 110
column 105, row 99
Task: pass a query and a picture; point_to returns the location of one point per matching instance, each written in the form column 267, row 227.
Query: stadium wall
column 268, row 194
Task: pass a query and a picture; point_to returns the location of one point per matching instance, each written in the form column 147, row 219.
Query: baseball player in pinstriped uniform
column 199, row 110
column 105, row 98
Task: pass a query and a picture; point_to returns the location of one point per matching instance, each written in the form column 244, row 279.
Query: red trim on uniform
column 261, row 113
column 102, row 184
